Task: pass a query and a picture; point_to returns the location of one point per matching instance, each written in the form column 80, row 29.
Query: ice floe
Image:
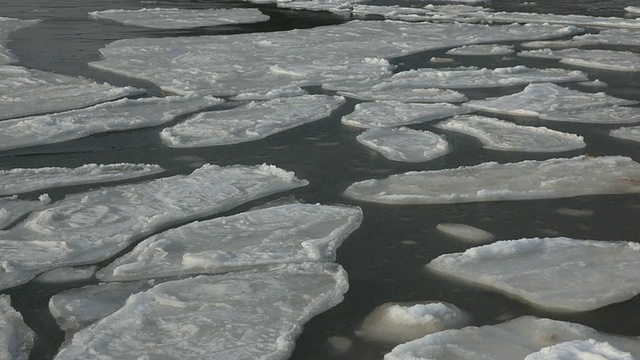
column 234, row 316
column 404, row 144
column 12, row 208
column 503, row 135
column 595, row 58
column 514, row 339
column 627, row 133
column 165, row 18
column 409, row 95
column 123, row 114
column 27, row 91
column 549, row 179
column 7, row 26
column 465, row 232
column 575, row 20
column 67, row 274
column 621, row 37
column 293, row 233
column 596, row 115
column 632, row 9
column 16, row 338
column 395, row 113
column 482, row 50
column 252, row 121
column 580, row 350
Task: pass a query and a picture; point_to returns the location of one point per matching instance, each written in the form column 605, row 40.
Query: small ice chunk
column 404, row 144
column 67, row 274
column 595, row 115
column 626, row 133
column 632, row 9
column 482, row 50
column 402, row 322
column 596, row 58
column 429, row 95
column 594, row 84
column 580, row 350
column 12, row 209
column 16, row 338
column 465, row 232
column 7, row 26
column 394, row 113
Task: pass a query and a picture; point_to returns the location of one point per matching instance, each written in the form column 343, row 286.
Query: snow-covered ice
column 255, row 315
column 381, row 114
column 409, row 95
column 580, row 350
column 549, row 179
column 559, row 274
column 12, row 208
column 404, row 144
column 620, row 37
column 165, row 18
column 465, row 232
column 503, row 135
column 482, row 50
column 590, row 58
column 255, row 120
column 596, row 115
column 627, row 133
column 16, row 338
column 7, row 26
column 67, row 274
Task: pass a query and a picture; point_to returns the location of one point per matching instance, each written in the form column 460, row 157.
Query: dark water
column 385, row 258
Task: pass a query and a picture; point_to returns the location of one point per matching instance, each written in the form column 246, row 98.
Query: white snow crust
column 16, row 338
column 67, row 274
column 626, row 133
column 549, row 179
column 7, row 26
column 596, row 115
column 620, row 37
column 580, row 350
column 404, row 144
column 382, row 114
column 482, row 50
column 409, row 95
column 12, row 208
column 465, row 232
column 595, row 58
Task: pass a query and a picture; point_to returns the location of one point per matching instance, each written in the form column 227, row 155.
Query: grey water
column 385, row 258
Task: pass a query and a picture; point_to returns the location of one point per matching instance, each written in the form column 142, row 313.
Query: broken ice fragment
column 395, row 113
column 16, row 338
column 465, row 232
column 627, row 133
column 481, row 50
column 404, row 144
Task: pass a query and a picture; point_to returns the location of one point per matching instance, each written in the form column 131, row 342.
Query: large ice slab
column 620, row 37
column 123, row 114
column 255, row 120
column 514, row 339
column 16, row 338
column 233, row 316
column 580, row 350
column 7, row 26
column 404, row 144
column 27, row 91
column 595, row 58
column 165, row 18
column 382, row 114
column 596, row 115
column 482, row 50
column 627, row 133
column 12, row 208
column 549, row 179
column 293, row 233
column 502, row 135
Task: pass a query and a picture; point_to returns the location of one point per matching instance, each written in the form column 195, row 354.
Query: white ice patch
column 233, row 316
column 123, row 114
column 12, row 209
column 482, row 50
column 404, row 144
column 514, row 339
column 632, row 9
column 67, row 274
column 620, row 37
column 465, row 232
column 580, row 350
column 381, row 114
column 627, row 133
column 596, row 115
column 16, row 338
column 27, row 91
column 252, row 121
column 7, row 26
column 164, row 18
column 596, row 58
column 503, row 135
column 408, row 95
column 549, row 179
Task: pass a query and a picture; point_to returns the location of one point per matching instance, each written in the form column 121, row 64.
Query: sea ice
column 575, row 20
column 67, row 274
column 580, row 350
column 255, row 315
column 549, row 179
column 27, row 91
column 465, row 232
column 437, row 13
column 428, row 95
column 255, row 120
column 595, row 58
column 164, row 18
column 7, row 26
column 620, row 37
column 514, row 339
column 627, row 133
column 503, row 135
column 404, row 144
column 632, row 9
column 12, row 208
column 482, row 50
column 123, row 114
column 596, row 115
column 394, row 113
column 16, row 338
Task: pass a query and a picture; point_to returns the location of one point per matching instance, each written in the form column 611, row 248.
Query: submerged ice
column 16, row 338
column 404, row 144
column 465, row 232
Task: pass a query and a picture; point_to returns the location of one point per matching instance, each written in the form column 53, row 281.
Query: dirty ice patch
column 596, row 115
column 256, row 315
column 293, row 233
column 394, row 113
column 549, row 179
column 404, row 144
column 20, row 180
column 119, row 115
column 67, row 274
column 482, row 50
column 503, row 135
column 27, row 91
column 596, row 58
column 164, row 18
column 514, row 339
column 465, row 232
column 620, row 37
column 12, row 208
column 408, row 95
column 580, row 350
column 627, row 133
column 16, row 338
column 253, row 121
column 7, row 26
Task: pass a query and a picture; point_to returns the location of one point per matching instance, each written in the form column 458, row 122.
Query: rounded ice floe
column 7, row 26
column 408, row 95
column 254, row 315
column 596, row 115
column 16, row 338
column 252, row 121
column 404, row 144
column 481, row 50
column 381, row 114
column 67, row 274
column 164, row 18
column 12, row 209
column 465, row 232
column 401, row 322
column 502, row 135
column 626, row 133
column 549, row 179
column 559, row 274
column 580, row 350
column 596, row 58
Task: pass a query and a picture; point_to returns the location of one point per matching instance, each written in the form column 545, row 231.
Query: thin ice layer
column 255, row 120
column 27, row 91
column 235, row 316
column 482, row 50
column 12, row 208
column 558, row 274
column 404, row 144
column 408, row 95
column 596, row 58
column 465, row 232
column 502, row 135
column 619, row 37
column 16, row 338
column 382, row 114
column 526, row 180
column 514, row 339
column 123, row 114
column 627, row 133
column 580, row 350
column 164, row 18
column 596, row 115
column 7, row 26
column 20, row 180
column 293, row 233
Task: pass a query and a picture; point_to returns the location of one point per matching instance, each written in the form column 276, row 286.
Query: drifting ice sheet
column 627, row 133
column 404, row 144
column 620, row 37
column 482, row 50
column 8, row 25
column 549, row 179
column 233, row 316
column 598, row 115
column 597, row 58
column 465, row 232
column 16, row 338
column 12, row 208
column 394, row 113
column 580, row 350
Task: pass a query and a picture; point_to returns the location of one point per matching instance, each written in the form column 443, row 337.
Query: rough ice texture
column 502, row 135
column 20, row 180
column 482, row 50
column 88, row 227
column 252, row 121
column 16, row 338
column 27, row 91
column 67, row 274
column 620, row 37
column 402, row 322
column 627, row 133
column 428, row 95
column 549, row 179
column 596, row 115
column 245, row 63
column 597, row 58
column 7, row 26
column 559, row 274
column 580, row 350
column 514, row 339
column 12, row 209
column 123, row 114
column 234, row 316
column 404, row 144
column 293, row 233
column 465, row 232
column 164, row 18
column 381, row 114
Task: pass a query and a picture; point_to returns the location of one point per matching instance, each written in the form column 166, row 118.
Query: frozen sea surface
column 597, row 58
column 381, row 114
column 16, row 338
column 404, row 144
